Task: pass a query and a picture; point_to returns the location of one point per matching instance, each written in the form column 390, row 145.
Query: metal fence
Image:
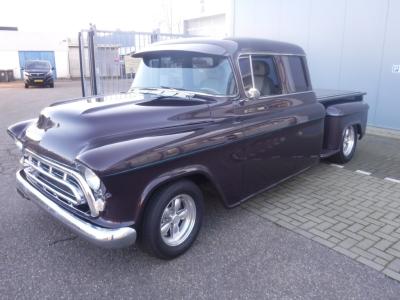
column 106, row 62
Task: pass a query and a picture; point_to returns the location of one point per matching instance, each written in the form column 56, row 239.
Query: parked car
column 232, row 116
column 38, row 73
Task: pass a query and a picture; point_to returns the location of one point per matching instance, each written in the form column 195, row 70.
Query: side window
column 245, row 71
column 264, row 77
column 296, row 73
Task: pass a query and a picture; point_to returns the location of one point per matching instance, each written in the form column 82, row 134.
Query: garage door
column 37, row 55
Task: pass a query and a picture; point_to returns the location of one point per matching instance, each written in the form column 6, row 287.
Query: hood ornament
column 35, row 131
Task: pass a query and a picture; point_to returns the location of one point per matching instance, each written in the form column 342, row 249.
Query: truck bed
column 330, row 97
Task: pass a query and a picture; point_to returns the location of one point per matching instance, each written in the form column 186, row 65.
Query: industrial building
column 16, row 47
column 350, row 44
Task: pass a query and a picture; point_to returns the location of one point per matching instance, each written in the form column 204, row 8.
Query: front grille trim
column 77, row 195
column 81, row 192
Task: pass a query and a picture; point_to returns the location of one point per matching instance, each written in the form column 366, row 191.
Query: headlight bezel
column 91, row 178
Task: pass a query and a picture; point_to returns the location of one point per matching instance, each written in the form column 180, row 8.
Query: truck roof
column 225, row 47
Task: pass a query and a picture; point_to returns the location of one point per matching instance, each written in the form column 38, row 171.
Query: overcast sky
column 68, row 17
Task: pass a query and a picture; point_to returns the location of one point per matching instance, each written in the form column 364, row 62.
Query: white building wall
column 350, row 44
column 13, row 41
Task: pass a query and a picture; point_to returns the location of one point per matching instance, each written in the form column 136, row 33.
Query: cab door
column 283, row 132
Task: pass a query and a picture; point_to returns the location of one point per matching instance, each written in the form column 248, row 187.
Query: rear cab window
column 296, row 74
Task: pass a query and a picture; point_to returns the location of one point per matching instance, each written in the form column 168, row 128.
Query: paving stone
column 358, row 216
column 371, row 228
column 323, row 226
column 370, row 263
column 324, row 242
column 334, row 240
column 393, row 252
column 319, row 233
column 345, row 252
column 391, row 274
column 352, row 235
column 387, row 229
column 308, row 225
column 365, row 244
column 348, row 243
column 339, row 226
column 369, row 236
column 380, row 261
column 355, row 227
column 362, row 253
column 383, row 245
column 394, row 265
column 304, row 233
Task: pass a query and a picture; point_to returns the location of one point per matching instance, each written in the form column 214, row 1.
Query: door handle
column 234, row 136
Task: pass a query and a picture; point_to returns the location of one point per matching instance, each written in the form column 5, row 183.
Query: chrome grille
column 63, row 183
column 52, row 179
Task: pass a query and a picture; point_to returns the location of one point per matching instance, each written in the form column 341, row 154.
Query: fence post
column 155, row 35
column 81, row 63
column 92, row 61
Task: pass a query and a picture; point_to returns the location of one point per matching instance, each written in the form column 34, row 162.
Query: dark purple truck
column 235, row 116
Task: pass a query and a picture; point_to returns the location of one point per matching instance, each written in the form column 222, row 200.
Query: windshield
column 193, row 72
column 37, row 65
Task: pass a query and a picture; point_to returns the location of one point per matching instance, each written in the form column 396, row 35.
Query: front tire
column 347, row 146
column 172, row 219
column 26, row 85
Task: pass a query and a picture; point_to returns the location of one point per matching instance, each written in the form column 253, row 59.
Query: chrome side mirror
column 253, row 93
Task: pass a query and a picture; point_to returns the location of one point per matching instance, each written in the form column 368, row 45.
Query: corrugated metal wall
column 350, row 44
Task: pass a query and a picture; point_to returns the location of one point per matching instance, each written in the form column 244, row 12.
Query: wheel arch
column 198, row 174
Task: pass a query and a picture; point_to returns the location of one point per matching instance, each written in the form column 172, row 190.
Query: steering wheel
column 209, row 91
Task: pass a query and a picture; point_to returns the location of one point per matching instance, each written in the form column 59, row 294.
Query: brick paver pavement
column 354, row 214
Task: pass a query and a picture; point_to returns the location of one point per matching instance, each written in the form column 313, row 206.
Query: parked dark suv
column 38, row 72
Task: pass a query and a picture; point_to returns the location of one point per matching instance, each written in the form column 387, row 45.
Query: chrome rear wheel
column 348, row 140
column 347, row 145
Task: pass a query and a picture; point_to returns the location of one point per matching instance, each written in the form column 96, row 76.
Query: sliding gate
column 105, row 57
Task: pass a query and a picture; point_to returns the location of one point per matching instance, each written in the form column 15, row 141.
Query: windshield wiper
column 180, row 93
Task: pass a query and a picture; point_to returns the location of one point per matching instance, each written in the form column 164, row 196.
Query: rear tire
column 348, row 145
column 172, row 219
column 26, row 85
column 52, row 85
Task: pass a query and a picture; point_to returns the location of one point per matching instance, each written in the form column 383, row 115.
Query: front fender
column 176, row 174
column 17, row 130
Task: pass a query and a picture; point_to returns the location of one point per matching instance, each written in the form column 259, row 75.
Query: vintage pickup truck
column 231, row 116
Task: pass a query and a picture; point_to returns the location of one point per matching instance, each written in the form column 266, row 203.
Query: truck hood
column 67, row 129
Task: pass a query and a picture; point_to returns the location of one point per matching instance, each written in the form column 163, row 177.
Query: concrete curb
column 390, row 133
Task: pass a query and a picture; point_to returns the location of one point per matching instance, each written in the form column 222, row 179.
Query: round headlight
column 92, row 180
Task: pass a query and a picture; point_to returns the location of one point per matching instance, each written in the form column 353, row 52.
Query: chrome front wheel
column 172, row 219
column 178, row 219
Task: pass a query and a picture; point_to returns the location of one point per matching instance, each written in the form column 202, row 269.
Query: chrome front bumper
column 100, row 236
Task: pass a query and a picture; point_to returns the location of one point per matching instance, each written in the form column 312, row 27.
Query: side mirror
column 52, row 68
column 253, row 93
column 22, row 69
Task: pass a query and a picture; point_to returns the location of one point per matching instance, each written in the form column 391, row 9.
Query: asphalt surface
column 237, row 254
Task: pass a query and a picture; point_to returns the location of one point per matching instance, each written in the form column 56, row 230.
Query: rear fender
column 340, row 116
